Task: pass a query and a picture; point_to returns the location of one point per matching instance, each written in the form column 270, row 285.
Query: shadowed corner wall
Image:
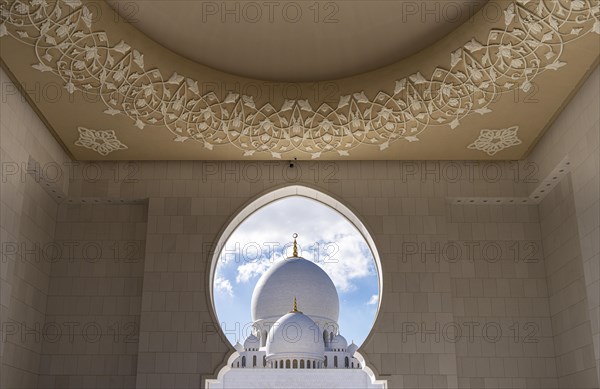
column 570, row 225
column 70, row 272
column 431, row 329
column 27, row 222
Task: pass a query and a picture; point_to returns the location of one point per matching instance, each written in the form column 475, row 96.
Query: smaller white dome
column 251, row 342
column 238, row 347
column 352, row 348
column 295, row 335
column 338, row 342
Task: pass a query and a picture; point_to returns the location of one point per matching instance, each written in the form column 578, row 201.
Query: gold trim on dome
column 67, row 44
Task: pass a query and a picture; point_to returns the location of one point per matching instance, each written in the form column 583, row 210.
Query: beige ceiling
column 488, row 89
column 292, row 40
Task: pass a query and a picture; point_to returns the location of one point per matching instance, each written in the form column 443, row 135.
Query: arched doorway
column 305, row 198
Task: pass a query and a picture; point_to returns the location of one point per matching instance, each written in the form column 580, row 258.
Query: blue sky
column 324, row 236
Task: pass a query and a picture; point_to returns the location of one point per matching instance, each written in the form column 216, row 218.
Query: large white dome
column 295, row 335
column 295, row 278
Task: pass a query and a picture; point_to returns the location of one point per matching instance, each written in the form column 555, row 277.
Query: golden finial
column 295, row 310
column 295, row 253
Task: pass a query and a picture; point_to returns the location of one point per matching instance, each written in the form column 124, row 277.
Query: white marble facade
column 285, row 337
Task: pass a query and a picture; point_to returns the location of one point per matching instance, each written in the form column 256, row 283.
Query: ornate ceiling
column 486, row 89
column 296, row 41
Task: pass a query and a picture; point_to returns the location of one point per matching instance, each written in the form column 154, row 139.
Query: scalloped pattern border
column 66, row 44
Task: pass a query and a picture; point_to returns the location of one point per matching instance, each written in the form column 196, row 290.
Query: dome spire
column 295, row 253
column 295, row 310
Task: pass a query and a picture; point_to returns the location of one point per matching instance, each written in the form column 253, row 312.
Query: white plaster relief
column 66, row 44
column 493, row 141
column 101, row 141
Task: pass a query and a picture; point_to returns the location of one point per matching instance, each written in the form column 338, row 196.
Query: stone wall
column 500, row 298
column 406, row 209
column 475, row 295
column 566, row 286
column 570, row 220
column 94, row 297
column 27, row 224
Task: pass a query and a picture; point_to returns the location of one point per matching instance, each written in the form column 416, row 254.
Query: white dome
column 352, row 348
column 251, row 342
column 339, row 341
column 295, row 278
column 238, row 347
column 295, row 335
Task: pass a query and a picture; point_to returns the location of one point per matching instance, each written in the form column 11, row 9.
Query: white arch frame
column 259, row 202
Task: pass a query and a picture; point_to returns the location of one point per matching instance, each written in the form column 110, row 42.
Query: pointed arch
column 264, row 199
column 290, row 191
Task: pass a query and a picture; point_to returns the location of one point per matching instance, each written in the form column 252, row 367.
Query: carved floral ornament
column 66, row 43
column 493, row 141
column 103, row 142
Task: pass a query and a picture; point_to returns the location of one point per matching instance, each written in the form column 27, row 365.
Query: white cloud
column 373, row 300
column 250, row 270
column 346, row 258
column 325, row 237
column 223, row 285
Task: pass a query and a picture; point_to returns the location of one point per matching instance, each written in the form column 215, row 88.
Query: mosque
column 295, row 311
column 460, row 138
column 294, row 339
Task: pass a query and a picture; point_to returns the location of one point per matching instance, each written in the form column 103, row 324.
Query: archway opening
column 252, row 249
